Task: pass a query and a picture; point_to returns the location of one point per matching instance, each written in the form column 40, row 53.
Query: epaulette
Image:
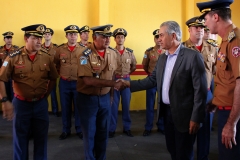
column 149, row 49
column 61, row 45
column 44, row 51
column 16, row 47
column 16, row 52
column 130, row 50
column 231, row 36
column 111, row 48
column 55, row 45
column 87, row 52
column 212, row 42
column 81, row 44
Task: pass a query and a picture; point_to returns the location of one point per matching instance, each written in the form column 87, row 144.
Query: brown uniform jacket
column 125, row 61
column 84, row 46
column 90, row 64
column 30, row 78
column 50, row 50
column 4, row 53
column 66, row 61
column 228, row 68
column 151, row 57
column 209, row 53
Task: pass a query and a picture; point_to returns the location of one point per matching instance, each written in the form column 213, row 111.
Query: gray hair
column 173, row 27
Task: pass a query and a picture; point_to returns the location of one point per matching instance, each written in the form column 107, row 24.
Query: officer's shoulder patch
column 129, row 50
column 55, row 45
column 16, row 47
column 149, row 49
column 87, row 51
column 16, row 52
column 236, row 52
column 83, row 60
column 231, row 36
column 111, row 48
column 81, row 44
column 44, row 51
column 60, row 45
column 212, row 42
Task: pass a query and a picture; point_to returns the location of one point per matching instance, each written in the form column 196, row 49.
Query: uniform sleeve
column 145, row 60
column 57, row 59
column 234, row 57
column 134, row 61
column 6, row 69
column 53, row 71
column 84, row 66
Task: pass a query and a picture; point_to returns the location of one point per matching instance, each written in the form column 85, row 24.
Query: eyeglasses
column 156, row 36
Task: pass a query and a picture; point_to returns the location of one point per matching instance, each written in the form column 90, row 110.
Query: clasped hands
column 121, row 84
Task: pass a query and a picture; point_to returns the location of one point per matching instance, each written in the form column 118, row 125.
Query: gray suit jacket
column 187, row 91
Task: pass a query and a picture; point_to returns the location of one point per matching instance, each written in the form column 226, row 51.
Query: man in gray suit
column 182, row 88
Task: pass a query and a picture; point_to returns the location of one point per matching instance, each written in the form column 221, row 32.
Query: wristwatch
column 4, row 99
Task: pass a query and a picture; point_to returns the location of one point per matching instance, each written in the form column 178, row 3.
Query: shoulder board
column 81, row 44
column 43, row 50
column 149, row 49
column 16, row 47
column 231, row 36
column 111, row 48
column 87, row 52
column 16, row 52
column 130, row 50
column 55, row 44
column 61, row 45
column 212, row 42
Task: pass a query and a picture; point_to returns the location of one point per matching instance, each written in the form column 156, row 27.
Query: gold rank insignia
column 231, row 36
column 47, row 30
column 86, row 28
column 40, row 28
column 73, row 27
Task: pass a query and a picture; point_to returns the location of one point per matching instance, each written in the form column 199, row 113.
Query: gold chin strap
column 206, row 10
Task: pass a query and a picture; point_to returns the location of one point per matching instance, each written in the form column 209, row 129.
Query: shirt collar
column 176, row 51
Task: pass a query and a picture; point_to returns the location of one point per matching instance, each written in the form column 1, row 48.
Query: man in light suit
column 182, row 88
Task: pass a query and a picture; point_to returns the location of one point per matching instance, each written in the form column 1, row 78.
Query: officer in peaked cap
column 4, row 52
column 119, row 31
column 66, row 63
column 84, row 36
column 209, row 52
column 51, row 49
column 104, row 30
column 35, row 30
column 49, row 30
column 71, row 29
column 195, row 21
column 34, row 74
column 126, row 64
column 96, row 65
column 217, row 16
column 149, row 62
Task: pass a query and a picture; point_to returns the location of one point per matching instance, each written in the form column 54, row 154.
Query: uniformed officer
column 126, row 64
column 66, row 64
column 96, row 66
column 149, row 62
column 84, row 36
column 34, row 75
column 4, row 52
column 207, row 37
column 51, row 49
column 217, row 15
column 209, row 52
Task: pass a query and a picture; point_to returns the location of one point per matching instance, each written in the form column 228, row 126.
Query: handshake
column 121, row 84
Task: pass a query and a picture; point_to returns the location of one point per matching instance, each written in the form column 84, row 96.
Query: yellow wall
column 138, row 17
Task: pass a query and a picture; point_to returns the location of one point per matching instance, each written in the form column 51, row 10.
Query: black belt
column 167, row 105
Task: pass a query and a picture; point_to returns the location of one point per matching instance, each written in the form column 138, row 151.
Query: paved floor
column 120, row 147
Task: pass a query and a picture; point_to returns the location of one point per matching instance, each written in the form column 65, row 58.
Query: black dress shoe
column 80, row 135
column 64, row 135
column 146, row 133
column 161, row 131
column 111, row 134
column 128, row 133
